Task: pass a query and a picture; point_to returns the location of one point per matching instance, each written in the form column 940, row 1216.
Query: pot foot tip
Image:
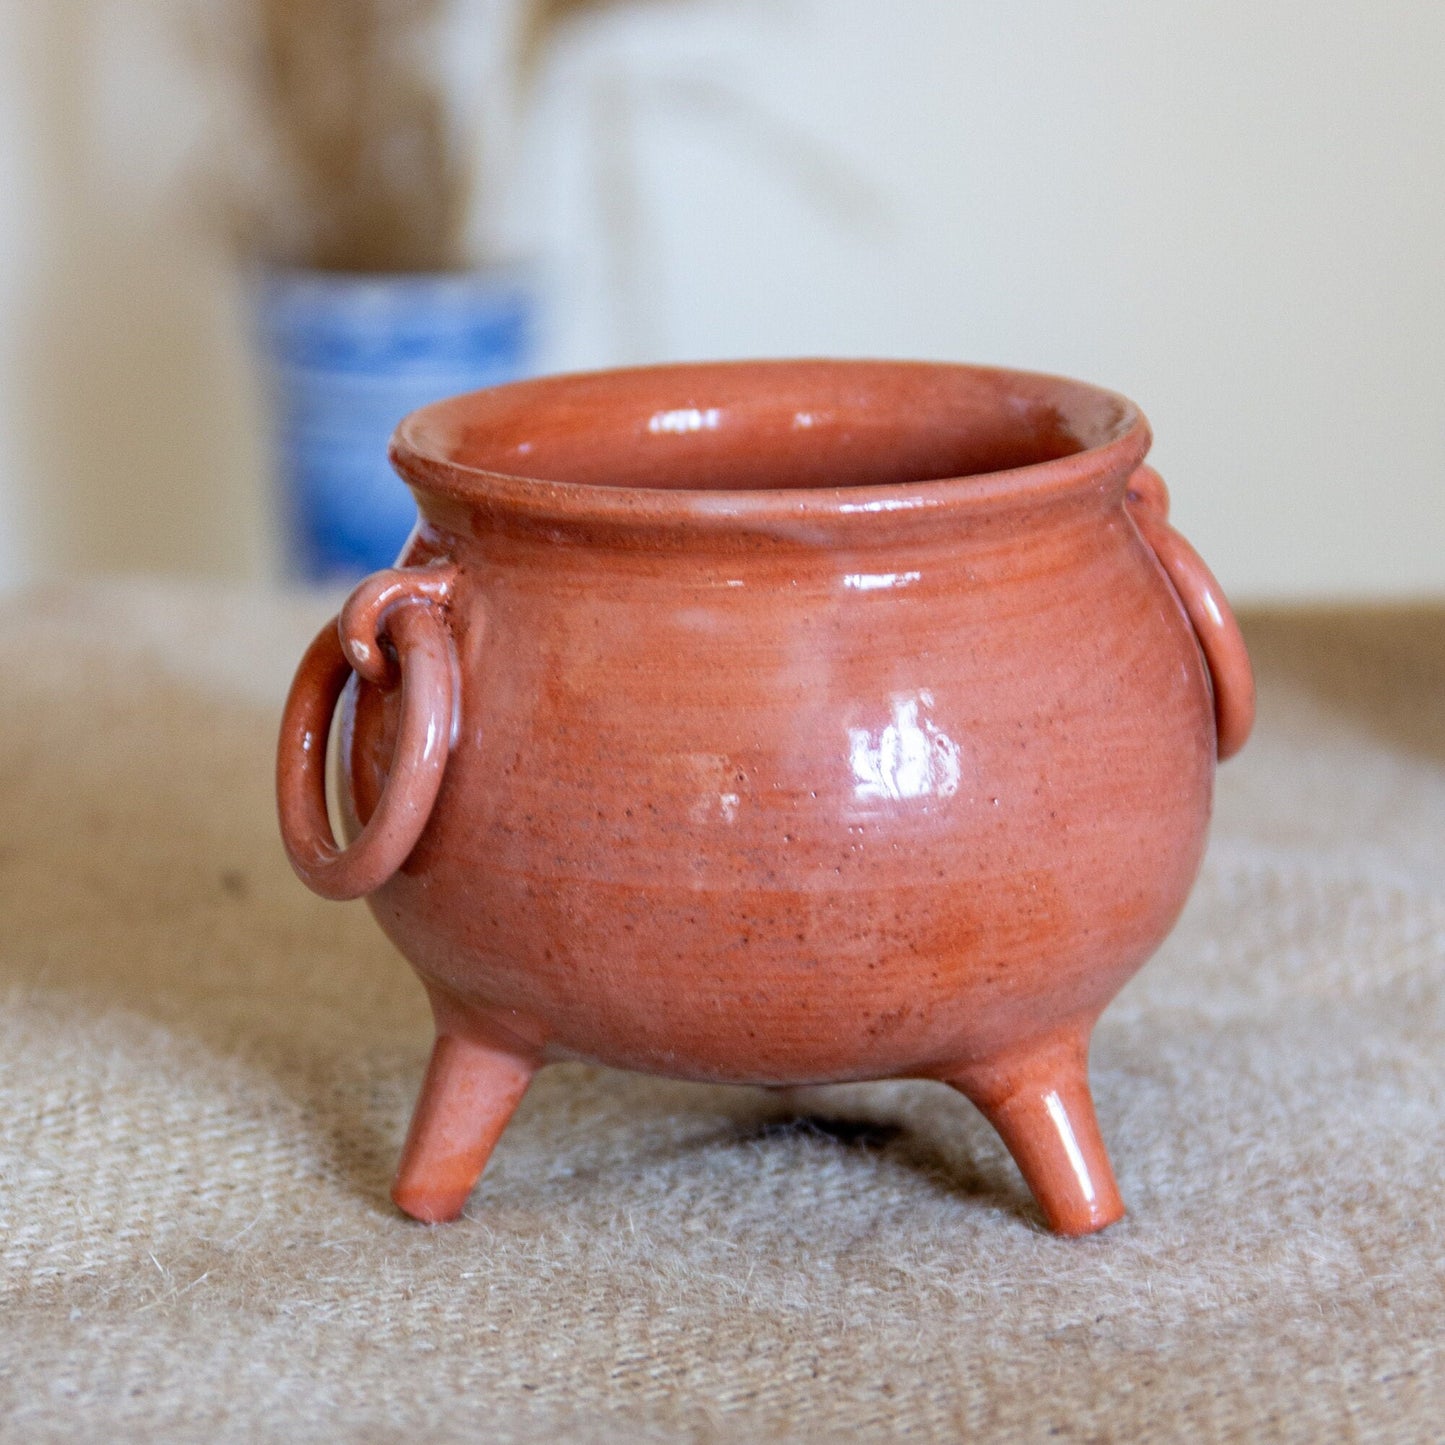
column 428, row 1206
column 1094, row 1219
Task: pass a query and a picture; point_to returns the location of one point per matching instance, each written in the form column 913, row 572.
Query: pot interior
column 750, row 426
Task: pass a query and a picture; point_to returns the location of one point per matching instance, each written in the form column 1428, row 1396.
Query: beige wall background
column 1235, row 213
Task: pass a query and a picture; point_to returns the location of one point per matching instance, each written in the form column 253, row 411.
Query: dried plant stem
column 362, row 168
column 347, row 151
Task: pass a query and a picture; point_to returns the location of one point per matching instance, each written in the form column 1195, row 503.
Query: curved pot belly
column 859, row 831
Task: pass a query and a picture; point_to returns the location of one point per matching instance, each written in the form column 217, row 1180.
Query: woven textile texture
column 205, row 1075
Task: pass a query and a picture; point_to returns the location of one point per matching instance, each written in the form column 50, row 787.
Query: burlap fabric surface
column 205, row 1075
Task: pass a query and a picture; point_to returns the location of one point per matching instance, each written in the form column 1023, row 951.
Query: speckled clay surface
column 777, row 723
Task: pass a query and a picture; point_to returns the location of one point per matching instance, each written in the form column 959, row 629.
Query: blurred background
column 1234, row 213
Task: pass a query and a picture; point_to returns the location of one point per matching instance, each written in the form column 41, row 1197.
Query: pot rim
column 423, row 445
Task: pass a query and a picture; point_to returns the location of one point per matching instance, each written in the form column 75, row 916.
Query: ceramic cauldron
column 773, row 723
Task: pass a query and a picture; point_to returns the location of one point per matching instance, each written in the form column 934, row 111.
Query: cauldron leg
column 1038, row 1099
column 471, row 1089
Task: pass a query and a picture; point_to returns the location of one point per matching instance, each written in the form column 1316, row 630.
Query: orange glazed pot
column 773, row 723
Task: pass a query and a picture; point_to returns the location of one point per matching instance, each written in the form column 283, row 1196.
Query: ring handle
column 1227, row 658
column 400, row 608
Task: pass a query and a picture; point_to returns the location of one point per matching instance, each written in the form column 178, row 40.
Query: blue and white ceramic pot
column 347, row 356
